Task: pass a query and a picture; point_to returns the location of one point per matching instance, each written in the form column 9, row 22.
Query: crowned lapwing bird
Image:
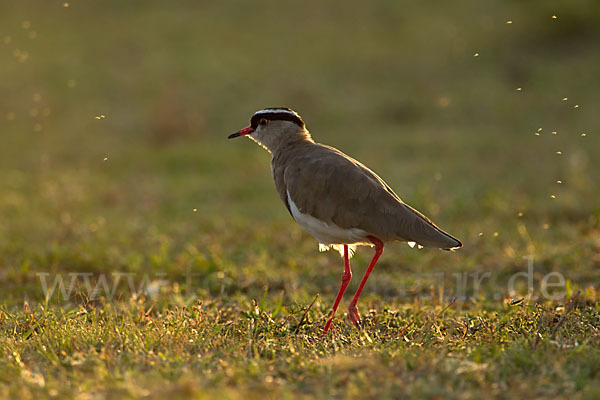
column 336, row 199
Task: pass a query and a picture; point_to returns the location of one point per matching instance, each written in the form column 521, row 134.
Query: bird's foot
column 327, row 325
column 354, row 316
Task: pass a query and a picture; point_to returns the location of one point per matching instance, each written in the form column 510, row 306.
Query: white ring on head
column 276, row 111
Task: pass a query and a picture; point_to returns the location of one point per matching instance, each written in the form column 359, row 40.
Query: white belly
column 327, row 233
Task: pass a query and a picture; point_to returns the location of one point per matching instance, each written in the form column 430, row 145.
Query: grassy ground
column 115, row 175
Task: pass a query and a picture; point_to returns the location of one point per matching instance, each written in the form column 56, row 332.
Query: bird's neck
column 281, row 146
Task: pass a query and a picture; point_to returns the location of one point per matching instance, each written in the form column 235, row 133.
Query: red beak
column 246, row 131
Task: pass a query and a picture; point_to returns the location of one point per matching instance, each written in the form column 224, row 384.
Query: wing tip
column 456, row 246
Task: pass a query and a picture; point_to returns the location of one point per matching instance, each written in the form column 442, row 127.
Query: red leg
column 346, row 277
column 352, row 310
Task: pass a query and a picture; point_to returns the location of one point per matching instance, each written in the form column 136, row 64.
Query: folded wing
column 334, row 187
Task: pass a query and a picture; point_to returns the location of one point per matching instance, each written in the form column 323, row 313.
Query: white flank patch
column 329, row 235
column 412, row 245
column 339, row 248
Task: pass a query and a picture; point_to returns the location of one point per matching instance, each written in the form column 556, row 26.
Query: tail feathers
column 425, row 233
column 440, row 240
column 457, row 244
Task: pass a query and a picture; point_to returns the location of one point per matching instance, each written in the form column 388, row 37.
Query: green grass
column 226, row 306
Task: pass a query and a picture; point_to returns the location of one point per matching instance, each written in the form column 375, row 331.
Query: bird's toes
column 354, row 316
column 327, row 325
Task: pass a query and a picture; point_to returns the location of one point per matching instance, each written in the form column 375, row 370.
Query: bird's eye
column 263, row 121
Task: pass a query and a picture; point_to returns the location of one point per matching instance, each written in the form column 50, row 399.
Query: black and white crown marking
column 276, row 114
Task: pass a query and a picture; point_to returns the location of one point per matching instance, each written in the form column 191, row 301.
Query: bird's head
column 272, row 127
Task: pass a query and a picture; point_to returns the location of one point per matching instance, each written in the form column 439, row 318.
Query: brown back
column 335, row 188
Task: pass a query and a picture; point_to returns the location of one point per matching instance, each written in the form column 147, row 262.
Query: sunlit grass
column 114, row 161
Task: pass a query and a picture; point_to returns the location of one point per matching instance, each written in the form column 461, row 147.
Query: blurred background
column 114, row 117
